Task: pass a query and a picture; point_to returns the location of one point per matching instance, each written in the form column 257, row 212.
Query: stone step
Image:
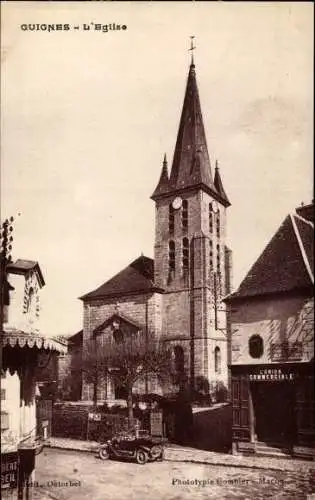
column 271, row 453
column 271, row 449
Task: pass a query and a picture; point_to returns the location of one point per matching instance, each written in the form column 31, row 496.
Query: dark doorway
column 273, row 405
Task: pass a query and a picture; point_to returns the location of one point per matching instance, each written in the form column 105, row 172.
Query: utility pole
column 6, row 240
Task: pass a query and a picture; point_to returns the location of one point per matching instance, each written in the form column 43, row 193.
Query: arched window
column 211, row 256
column 185, row 255
column 179, row 360
column 218, row 224
column 185, row 214
column 218, row 259
column 210, row 218
column 171, row 257
column 217, row 360
column 256, row 346
column 30, row 302
column 171, row 219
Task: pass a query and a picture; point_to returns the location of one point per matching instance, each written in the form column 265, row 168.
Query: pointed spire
column 163, row 185
column 191, row 164
column 219, row 185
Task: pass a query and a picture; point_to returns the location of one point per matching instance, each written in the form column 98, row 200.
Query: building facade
column 272, row 339
column 22, row 348
column 178, row 295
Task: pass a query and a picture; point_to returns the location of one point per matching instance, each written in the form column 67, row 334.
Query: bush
column 221, row 392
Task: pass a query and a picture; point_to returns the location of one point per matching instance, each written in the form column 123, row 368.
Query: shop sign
column 271, row 374
column 9, row 470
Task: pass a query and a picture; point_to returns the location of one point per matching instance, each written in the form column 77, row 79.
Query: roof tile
column 280, row 267
column 137, row 277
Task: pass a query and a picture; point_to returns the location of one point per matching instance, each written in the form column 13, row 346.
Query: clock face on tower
column 177, row 203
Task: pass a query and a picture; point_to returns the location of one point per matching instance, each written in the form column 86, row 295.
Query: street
column 67, row 475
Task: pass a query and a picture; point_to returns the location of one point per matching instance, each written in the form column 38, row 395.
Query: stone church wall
column 143, row 309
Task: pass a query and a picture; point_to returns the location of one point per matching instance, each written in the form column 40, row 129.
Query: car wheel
column 141, row 457
column 156, row 451
column 103, row 453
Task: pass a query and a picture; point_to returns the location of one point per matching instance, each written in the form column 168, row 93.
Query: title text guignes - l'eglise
column 92, row 26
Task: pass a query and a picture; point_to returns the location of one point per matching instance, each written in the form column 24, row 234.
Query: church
column 178, row 295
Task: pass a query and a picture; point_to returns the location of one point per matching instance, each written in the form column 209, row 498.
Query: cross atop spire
column 192, row 48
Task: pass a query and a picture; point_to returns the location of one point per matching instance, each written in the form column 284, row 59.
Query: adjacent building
column 22, row 347
column 272, row 340
column 178, row 295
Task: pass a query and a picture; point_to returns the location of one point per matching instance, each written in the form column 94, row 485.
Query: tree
column 92, row 364
column 130, row 358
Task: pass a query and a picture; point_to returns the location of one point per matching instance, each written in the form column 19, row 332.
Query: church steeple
column 163, row 186
column 219, row 185
column 191, row 164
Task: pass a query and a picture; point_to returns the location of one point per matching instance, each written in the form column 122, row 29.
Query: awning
column 13, row 337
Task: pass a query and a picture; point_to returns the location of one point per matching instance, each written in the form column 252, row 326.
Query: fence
column 86, row 423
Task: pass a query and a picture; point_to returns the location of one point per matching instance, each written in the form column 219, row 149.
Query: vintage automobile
column 140, row 447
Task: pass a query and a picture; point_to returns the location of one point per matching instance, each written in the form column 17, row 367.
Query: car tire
column 103, row 453
column 141, row 457
column 156, row 451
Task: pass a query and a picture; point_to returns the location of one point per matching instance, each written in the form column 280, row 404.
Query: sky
column 87, row 115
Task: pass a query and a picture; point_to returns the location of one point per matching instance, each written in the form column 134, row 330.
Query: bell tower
column 191, row 258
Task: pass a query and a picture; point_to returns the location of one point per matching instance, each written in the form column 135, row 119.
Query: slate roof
column 23, row 266
column 306, row 211
column 137, row 277
column 163, row 185
column 286, row 264
column 219, row 186
column 191, row 164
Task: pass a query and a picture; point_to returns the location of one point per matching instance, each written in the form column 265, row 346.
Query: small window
column 4, row 420
column 211, row 256
column 185, row 215
column 210, row 218
column 185, row 254
column 218, row 259
column 256, row 346
column 179, row 359
column 2, row 394
column 171, row 219
column 217, row 360
column 171, row 257
column 218, row 225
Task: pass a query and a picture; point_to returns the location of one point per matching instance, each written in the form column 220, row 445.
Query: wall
column 144, row 309
column 11, row 405
column 190, row 302
column 140, row 308
column 276, row 319
column 16, row 318
column 22, row 315
column 205, row 420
